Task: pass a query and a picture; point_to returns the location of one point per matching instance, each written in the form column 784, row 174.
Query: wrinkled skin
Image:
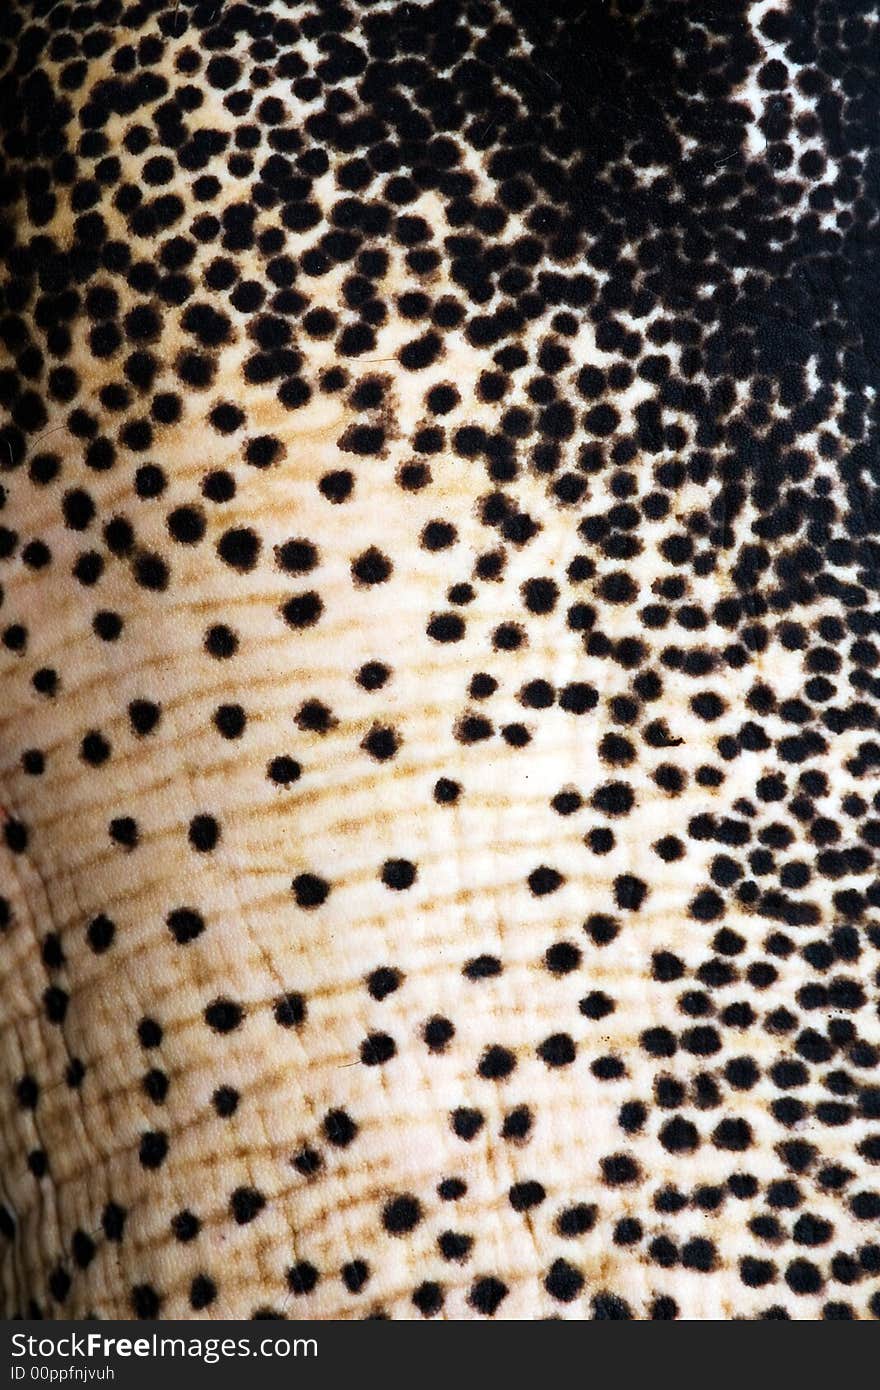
column 439, row 660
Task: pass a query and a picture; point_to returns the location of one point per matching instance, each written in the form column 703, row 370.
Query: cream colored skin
column 343, row 818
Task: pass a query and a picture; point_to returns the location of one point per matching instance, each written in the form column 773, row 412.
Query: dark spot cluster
column 646, row 333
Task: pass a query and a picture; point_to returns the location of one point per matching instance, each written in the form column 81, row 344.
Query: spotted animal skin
column 440, row 659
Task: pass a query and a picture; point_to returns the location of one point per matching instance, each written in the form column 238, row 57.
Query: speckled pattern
column 439, row 658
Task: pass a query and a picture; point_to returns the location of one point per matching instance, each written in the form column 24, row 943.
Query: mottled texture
column 439, row 659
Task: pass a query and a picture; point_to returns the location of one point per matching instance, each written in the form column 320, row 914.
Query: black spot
column 401, row 1214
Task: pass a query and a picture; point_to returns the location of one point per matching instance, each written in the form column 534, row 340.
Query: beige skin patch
column 438, row 664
